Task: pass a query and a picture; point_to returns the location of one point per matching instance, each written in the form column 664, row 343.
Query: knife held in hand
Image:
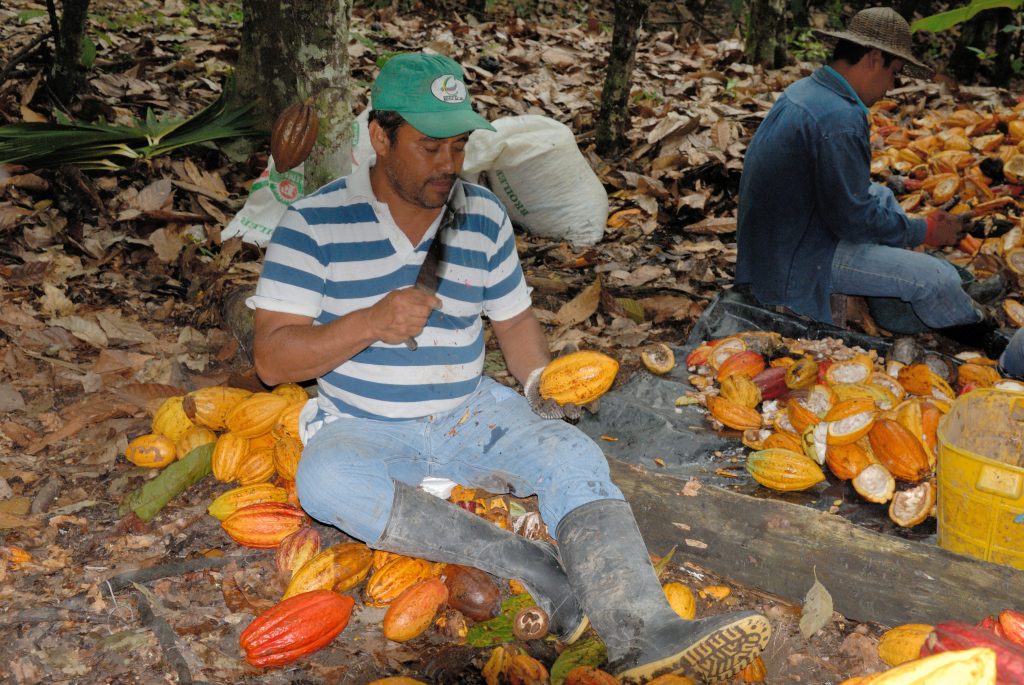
column 429, row 276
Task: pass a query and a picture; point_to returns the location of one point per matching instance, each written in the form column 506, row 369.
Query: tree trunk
column 976, row 33
column 67, row 75
column 613, row 117
column 766, row 33
column 293, row 49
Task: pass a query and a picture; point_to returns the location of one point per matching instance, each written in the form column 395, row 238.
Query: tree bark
column 613, row 117
column 766, row 33
column 294, row 49
column 67, row 75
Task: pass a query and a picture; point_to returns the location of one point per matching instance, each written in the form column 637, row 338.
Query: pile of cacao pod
column 969, row 162
column 952, row 653
column 808, row 405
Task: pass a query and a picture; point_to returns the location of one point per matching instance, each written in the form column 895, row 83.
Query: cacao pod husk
column 898, row 450
column 296, row 550
column 228, row 454
column 733, row 415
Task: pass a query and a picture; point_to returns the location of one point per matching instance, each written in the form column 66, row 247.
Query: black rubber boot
column 983, row 335
column 611, row 572
column 422, row 525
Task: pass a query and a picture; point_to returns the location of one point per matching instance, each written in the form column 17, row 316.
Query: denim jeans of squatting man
column 931, row 285
column 492, row 441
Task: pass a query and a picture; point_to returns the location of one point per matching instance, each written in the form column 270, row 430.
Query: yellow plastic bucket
column 981, row 477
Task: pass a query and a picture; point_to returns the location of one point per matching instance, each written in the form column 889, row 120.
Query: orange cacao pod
column 170, row 418
column 747, row 363
column 903, row 643
column 523, row 669
column 722, row 349
column 353, row 561
column 256, row 467
column 849, row 420
column 800, row 416
column 228, row 454
column 395, row 576
column 293, row 135
column 287, row 452
column 898, row 450
column 380, row 557
column 296, row 549
column 151, row 451
column 783, row 470
column 256, row 414
column 847, row 461
column 231, row 501
column 295, row 627
column 981, row 376
column 209, row 407
column 263, row 525
column 783, row 440
column 578, row 377
column 754, row 672
column 741, row 390
column 856, row 370
column 590, row 675
column 733, row 415
column 414, row 609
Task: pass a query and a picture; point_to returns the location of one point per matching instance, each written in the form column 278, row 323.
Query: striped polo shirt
column 339, row 250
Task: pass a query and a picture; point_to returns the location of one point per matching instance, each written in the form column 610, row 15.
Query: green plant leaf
column 947, row 20
column 88, row 56
column 586, row 652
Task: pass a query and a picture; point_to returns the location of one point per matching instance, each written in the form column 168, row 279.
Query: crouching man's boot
column 984, row 334
column 422, row 525
column 610, row 570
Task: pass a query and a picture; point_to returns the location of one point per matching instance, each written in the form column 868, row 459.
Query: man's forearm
column 523, row 343
column 298, row 353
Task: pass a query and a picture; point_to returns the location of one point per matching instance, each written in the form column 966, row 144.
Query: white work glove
column 548, row 409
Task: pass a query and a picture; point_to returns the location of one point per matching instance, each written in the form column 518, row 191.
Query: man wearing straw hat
column 811, row 222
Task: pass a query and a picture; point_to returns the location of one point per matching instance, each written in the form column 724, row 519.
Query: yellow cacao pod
column 802, row 374
column 293, row 135
column 380, row 557
column 976, row 666
column 288, row 421
column 671, row 679
column 231, row 501
column 296, row 550
column 210, row 406
column 228, row 454
column 353, row 561
column 578, row 377
column 733, row 415
column 319, row 573
column 783, row 470
column 395, row 576
column 902, row 643
column 287, row 452
column 255, row 414
column 740, row 389
column 292, row 391
column 170, row 419
column 264, row 525
column 194, row 437
column 151, row 451
column 257, row 467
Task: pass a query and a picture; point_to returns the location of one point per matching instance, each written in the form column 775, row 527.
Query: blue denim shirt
column 805, row 186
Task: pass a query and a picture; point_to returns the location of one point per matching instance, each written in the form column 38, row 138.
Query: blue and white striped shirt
column 339, row 250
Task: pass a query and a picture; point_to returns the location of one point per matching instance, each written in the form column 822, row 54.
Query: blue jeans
column 1011, row 362
column 492, row 441
column 929, row 284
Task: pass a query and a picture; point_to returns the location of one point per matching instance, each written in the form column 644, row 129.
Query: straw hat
column 885, row 29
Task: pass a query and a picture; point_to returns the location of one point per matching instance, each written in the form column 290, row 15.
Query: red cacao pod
column 1012, row 623
column 955, row 635
column 772, row 383
column 295, row 627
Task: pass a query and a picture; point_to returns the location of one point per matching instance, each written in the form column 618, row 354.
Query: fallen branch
column 177, row 568
column 22, row 54
column 165, row 635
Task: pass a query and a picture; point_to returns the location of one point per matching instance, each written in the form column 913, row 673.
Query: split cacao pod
column 981, row 376
column 232, row 500
column 151, row 451
column 658, row 358
column 256, row 414
column 875, row 484
column 170, row 418
column 741, row 390
column 733, row 415
column 903, row 643
column 414, row 610
column 681, row 599
column 228, row 454
column 590, row 675
column 294, row 134
column 295, row 627
column 856, row 370
column 955, row 635
column 783, row 470
column 849, row 420
column 393, row 577
column 210, row 406
column 898, row 450
column 976, row 666
column 722, row 349
column 747, row 363
column 578, row 377
column 800, row 417
column 847, row 461
column 912, row 506
column 295, row 550
column 264, row 525
column 472, row 592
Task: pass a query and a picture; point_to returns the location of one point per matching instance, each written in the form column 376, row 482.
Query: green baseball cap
column 429, row 92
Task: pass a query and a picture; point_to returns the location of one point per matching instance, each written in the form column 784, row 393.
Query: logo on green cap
column 448, row 89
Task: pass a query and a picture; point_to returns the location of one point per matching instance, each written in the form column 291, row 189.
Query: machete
column 429, row 276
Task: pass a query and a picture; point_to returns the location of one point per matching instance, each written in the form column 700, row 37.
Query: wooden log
column 778, row 547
